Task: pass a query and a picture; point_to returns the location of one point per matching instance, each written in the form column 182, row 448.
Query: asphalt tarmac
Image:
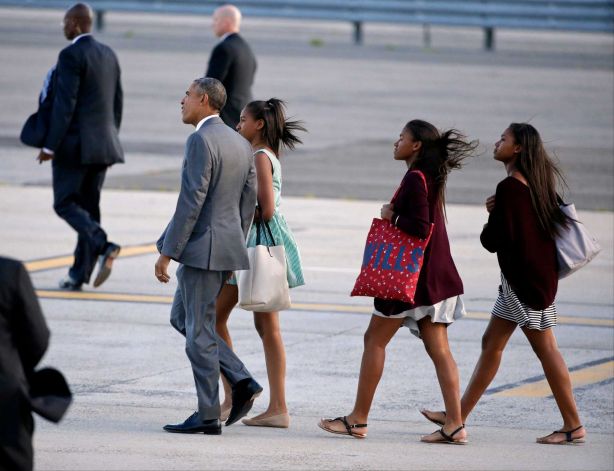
column 126, row 365
column 354, row 100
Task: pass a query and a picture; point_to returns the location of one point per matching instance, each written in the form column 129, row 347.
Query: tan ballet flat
column 224, row 414
column 278, row 421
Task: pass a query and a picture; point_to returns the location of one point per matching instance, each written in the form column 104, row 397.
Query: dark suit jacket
column 233, row 63
column 23, row 340
column 36, row 126
column 87, row 107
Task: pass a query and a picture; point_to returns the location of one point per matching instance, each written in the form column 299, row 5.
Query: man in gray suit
column 207, row 237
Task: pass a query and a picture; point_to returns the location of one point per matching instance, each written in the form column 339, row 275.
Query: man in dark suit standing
column 83, row 142
column 232, row 62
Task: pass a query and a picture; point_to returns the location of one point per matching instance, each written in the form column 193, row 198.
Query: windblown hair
column 214, row 89
column 543, row 176
column 440, row 154
column 277, row 131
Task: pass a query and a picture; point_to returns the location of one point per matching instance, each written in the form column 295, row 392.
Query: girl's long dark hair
column 543, row 176
column 277, row 131
column 440, row 153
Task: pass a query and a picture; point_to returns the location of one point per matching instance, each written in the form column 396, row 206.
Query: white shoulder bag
column 264, row 287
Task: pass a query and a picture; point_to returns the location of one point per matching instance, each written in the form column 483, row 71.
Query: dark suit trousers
column 76, row 199
column 193, row 315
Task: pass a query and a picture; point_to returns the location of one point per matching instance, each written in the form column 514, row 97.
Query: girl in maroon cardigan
column 429, row 156
column 524, row 219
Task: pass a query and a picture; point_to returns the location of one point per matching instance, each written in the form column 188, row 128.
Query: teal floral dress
column 280, row 230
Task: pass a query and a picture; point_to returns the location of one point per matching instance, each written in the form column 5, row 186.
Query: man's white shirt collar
column 80, row 36
column 202, row 121
column 225, row 35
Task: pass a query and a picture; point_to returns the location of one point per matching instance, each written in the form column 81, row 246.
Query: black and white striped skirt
column 510, row 308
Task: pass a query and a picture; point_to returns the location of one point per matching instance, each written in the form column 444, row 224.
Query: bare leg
column 435, row 338
column 378, row 335
column 226, row 301
column 494, row 340
column 267, row 325
column 556, row 372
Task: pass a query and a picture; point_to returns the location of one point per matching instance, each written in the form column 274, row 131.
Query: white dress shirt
column 80, row 36
column 202, row 121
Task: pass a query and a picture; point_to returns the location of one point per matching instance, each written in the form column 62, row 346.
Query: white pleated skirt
column 446, row 312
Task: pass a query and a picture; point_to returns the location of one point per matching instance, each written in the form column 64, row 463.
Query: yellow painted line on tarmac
column 484, row 316
column 585, row 321
column 331, row 307
column 93, row 296
column 144, row 249
column 48, row 263
column 566, row 320
column 67, row 260
column 539, row 388
column 581, row 377
column 319, row 307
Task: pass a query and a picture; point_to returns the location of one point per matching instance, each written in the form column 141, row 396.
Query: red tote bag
column 392, row 261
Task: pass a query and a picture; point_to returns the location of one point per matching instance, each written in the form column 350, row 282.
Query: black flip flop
column 430, row 419
column 569, row 440
column 349, row 428
column 449, row 439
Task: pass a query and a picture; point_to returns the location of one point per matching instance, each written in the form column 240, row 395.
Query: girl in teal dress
column 264, row 125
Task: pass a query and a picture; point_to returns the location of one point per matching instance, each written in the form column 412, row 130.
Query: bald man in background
column 232, row 62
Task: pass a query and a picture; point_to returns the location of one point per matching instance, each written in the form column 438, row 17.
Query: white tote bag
column 264, row 287
column 575, row 247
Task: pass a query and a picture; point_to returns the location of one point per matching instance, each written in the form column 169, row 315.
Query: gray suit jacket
column 216, row 201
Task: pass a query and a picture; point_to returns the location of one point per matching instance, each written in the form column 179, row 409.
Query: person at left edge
column 206, row 235
column 82, row 142
column 24, row 338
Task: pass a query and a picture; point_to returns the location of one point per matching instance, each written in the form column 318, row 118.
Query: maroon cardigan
column 438, row 278
column 526, row 253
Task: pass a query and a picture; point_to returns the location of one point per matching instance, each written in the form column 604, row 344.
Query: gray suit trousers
column 193, row 315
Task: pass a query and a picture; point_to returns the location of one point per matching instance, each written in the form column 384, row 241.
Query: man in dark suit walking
column 82, row 142
column 232, row 62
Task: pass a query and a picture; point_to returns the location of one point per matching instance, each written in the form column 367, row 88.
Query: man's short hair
column 214, row 89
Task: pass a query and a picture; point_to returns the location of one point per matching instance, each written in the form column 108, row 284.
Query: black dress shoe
column 193, row 424
column 243, row 395
column 68, row 283
column 105, row 263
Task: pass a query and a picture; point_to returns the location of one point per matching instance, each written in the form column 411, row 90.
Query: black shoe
column 105, row 263
column 243, row 395
column 193, row 424
column 69, row 284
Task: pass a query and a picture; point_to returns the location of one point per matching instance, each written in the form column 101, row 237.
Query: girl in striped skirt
column 524, row 219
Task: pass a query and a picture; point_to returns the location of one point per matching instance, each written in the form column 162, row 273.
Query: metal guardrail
column 564, row 15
